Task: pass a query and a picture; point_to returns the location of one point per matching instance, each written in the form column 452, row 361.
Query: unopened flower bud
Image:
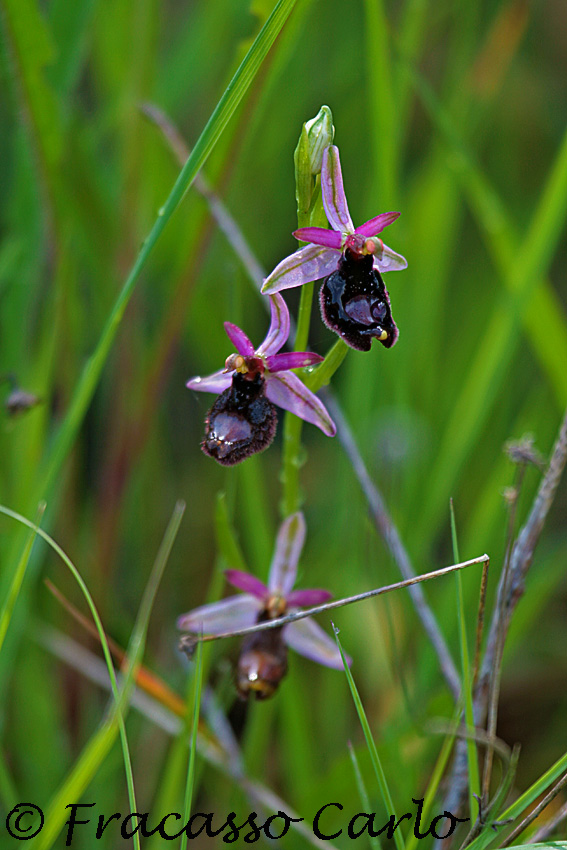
column 316, row 135
column 320, row 133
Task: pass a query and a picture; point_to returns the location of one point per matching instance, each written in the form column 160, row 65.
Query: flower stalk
column 315, row 136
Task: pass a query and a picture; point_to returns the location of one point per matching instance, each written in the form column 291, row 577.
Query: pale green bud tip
column 320, row 133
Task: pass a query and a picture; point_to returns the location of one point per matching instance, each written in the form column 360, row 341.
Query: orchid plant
column 243, row 419
column 263, row 657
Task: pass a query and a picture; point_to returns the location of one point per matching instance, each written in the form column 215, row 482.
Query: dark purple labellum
column 241, row 422
column 262, row 663
column 355, row 303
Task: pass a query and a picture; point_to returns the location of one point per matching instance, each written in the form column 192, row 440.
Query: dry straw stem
column 389, row 532
column 536, row 812
column 546, row 830
column 189, row 642
column 217, row 208
column 510, row 590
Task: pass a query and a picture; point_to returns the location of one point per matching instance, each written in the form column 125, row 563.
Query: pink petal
column 287, row 391
column 319, row 236
column 377, row 225
column 278, row 331
column 239, row 339
column 217, row 383
column 308, row 638
column 235, row 612
column 289, row 544
column 292, row 360
column 334, row 199
column 389, row 261
column 248, row 583
column 309, row 263
column 307, row 598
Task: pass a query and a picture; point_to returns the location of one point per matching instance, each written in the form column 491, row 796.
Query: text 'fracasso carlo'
column 26, row 820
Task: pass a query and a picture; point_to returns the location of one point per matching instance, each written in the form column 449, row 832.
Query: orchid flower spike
column 262, row 661
column 354, row 301
column 243, row 420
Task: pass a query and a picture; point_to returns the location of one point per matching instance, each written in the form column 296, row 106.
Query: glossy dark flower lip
column 282, row 386
column 321, row 257
column 277, row 597
column 241, row 422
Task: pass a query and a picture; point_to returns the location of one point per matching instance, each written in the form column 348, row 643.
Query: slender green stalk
column 322, row 375
column 17, row 579
column 198, row 682
column 373, row 840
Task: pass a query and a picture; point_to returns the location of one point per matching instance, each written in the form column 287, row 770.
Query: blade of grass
column 203, row 147
column 376, row 763
column 503, row 241
column 436, row 776
column 119, row 726
column 227, row 542
column 381, row 101
column 489, row 366
column 17, row 579
column 521, row 804
column 100, row 743
column 373, row 840
column 32, row 49
column 8, row 792
column 474, row 778
column 198, row 681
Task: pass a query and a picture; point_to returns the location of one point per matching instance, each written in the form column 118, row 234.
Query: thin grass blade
column 17, row 580
column 373, row 840
column 198, row 682
column 99, row 745
column 376, row 763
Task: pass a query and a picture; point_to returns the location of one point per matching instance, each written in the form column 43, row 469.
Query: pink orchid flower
column 263, row 656
column 243, row 419
column 321, row 257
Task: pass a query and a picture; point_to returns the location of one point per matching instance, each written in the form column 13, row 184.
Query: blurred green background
column 451, row 112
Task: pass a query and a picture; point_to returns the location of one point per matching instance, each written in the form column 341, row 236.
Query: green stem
column 291, row 464
column 322, row 375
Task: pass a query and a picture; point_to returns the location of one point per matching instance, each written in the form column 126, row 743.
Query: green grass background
column 451, row 112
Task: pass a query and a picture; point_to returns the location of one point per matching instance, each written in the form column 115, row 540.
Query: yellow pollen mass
column 276, row 606
column 237, row 362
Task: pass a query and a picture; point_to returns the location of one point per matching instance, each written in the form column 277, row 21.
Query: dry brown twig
column 510, row 590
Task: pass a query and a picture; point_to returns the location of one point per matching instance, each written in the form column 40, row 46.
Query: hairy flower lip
column 320, row 257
